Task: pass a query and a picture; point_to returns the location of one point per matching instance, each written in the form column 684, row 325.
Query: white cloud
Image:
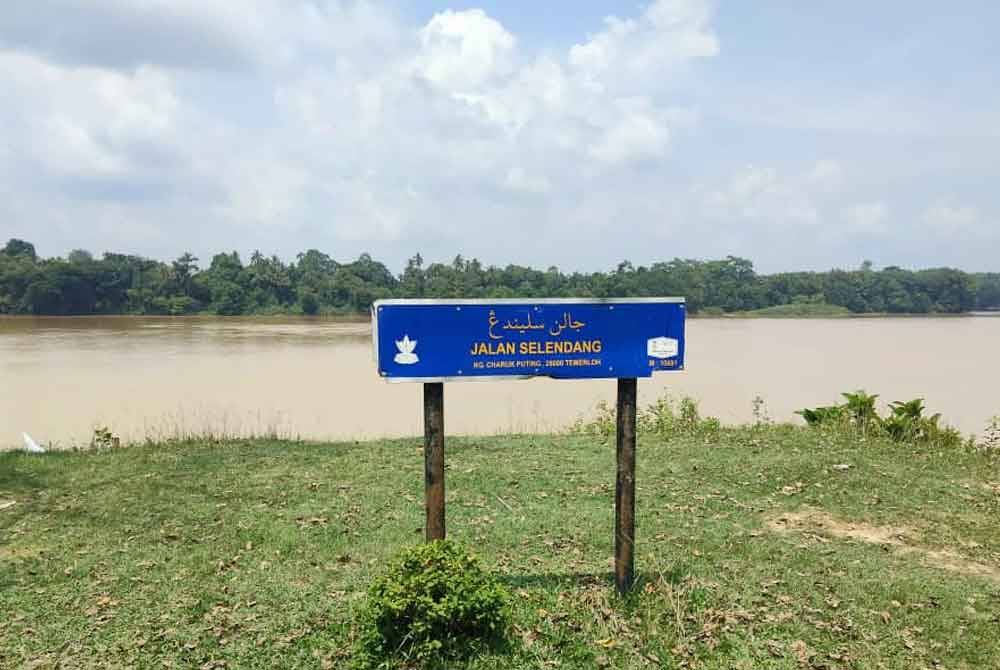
column 519, row 180
column 868, row 218
column 945, row 217
column 463, row 99
column 761, row 196
column 668, row 34
column 87, row 122
column 826, row 175
column 219, row 35
column 288, row 124
column 633, row 136
column 462, row 51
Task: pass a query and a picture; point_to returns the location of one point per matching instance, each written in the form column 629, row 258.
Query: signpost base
column 434, row 461
column 625, row 487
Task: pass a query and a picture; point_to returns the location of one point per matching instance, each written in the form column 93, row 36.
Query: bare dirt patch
column 821, row 525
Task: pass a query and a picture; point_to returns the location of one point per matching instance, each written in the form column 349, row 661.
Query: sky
column 570, row 133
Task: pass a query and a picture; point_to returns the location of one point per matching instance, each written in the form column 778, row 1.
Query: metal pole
column 434, row 461
column 625, row 487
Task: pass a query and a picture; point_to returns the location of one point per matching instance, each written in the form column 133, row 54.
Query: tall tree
column 16, row 247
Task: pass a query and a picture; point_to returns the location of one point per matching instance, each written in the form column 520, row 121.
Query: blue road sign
column 436, row 340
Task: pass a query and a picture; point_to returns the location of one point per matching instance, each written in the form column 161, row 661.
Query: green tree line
column 315, row 283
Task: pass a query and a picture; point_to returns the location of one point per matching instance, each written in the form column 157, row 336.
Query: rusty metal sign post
column 458, row 340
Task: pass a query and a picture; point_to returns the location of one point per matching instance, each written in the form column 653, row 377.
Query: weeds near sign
column 103, row 438
column 906, row 421
column 602, row 424
column 435, row 603
column 663, row 418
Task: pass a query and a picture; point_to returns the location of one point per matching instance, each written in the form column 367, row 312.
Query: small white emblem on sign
column 661, row 347
column 406, row 347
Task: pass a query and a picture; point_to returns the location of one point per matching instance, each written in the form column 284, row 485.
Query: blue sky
column 799, row 135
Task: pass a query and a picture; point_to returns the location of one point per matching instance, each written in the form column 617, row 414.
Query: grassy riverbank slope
column 770, row 547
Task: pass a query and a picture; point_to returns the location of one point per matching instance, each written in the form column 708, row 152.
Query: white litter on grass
column 6, row 504
column 31, row 446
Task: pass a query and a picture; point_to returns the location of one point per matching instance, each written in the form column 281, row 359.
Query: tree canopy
column 315, row 283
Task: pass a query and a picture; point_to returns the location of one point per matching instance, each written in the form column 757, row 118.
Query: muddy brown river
column 315, row 378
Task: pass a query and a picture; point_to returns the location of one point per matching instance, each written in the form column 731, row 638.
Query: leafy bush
column 603, row 424
column 905, row 422
column 103, row 438
column 665, row 418
column 309, row 302
column 860, row 409
column 435, row 603
column 818, row 416
column 662, row 418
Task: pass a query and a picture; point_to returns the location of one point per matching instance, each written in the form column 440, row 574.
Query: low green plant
column 435, row 603
column 819, row 416
column 906, row 421
column 602, row 424
column 103, row 438
column 664, row 417
column 860, row 408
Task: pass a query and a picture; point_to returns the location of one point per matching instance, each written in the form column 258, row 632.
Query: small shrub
column 103, row 438
column 309, row 302
column 858, row 411
column 435, row 603
column 860, row 407
column 905, row 423
column 821, row 416
column 689, row 417
column 659, row 418
column 603, row 424
column 664, row 418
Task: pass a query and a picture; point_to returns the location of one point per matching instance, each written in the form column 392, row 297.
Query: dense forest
column 315, row 283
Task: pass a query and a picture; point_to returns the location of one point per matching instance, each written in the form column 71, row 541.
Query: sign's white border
column 486, row 301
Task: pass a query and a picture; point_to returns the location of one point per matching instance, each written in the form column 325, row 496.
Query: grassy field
column 766, row 547
column 798, row 311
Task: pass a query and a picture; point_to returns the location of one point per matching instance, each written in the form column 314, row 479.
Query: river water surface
column 315, row 378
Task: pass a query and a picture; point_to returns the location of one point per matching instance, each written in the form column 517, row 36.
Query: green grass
column 258, row 554
column 799, row 310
